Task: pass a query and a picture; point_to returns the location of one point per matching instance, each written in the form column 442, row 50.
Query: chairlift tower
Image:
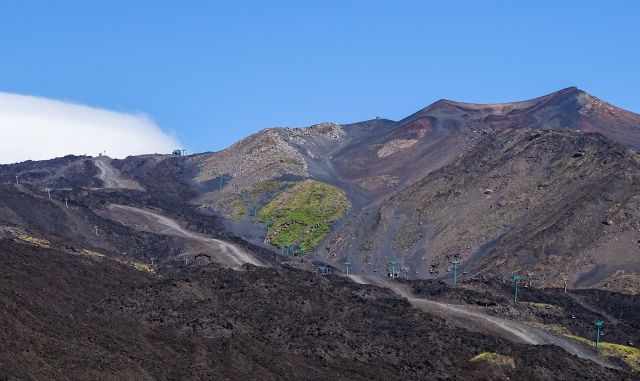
column 287, row 250
column 347, row 267
column 393, row 269
column 599, row 325
column 455, row 262
column 405, row 271
column 516, row 280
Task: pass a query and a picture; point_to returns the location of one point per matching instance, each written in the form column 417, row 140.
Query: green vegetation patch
column 143, row 267
column 303, row 215
column 494, row 359
column 39, row 242
column 245, row 203
column 630, row 355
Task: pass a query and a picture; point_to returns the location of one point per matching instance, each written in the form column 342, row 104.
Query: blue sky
column 213, row 72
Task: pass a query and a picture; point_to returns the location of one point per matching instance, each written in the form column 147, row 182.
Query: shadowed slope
column 75, row 318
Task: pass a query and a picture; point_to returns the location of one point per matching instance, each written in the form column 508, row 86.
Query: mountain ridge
column 373, row 162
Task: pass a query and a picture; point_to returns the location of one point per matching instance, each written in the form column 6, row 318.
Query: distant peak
column 569, row 91
column 449, row 103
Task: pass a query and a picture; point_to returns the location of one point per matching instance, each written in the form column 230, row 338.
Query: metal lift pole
column 455, row 263
column 516, row 279
column 599, row 325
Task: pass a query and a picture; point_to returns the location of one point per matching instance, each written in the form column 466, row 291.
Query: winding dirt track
column 224, row 252
column 508, row 329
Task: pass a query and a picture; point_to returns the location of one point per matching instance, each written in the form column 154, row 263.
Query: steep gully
column 111, row 177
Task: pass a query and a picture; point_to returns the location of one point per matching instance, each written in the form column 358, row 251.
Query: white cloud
column 39, row 128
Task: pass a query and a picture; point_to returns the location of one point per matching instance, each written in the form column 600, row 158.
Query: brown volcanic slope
column 556, row 203
column 437, row 164
column 435, row 135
